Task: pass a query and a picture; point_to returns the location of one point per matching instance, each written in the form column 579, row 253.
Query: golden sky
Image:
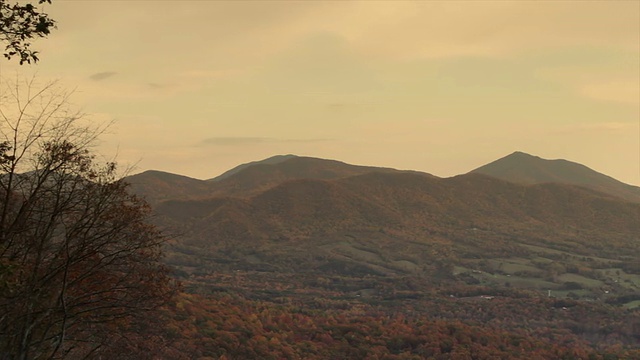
column 197, row 87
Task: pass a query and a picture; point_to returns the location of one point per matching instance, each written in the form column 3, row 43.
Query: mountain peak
column 523, row 168
column 276, row 159
column 522, row 154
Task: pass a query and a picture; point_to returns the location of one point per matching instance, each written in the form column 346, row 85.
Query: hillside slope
column 403, row 217
column 157, row 186
column 523, row 168
column 260, row 176
column 554, row 264
column 244, row 180
column 268, row 161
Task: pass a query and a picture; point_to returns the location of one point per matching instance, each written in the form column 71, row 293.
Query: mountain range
column 250, row 178
column 244, row 180
column 547, row 249
column 298, row 214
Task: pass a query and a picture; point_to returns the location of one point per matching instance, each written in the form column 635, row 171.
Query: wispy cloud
column 622, row 91
column 102, row 75
column 342, row 106
column 600, row 127
column 249, row 140
column 213, row 74
column 608, row 126
column 158, row 85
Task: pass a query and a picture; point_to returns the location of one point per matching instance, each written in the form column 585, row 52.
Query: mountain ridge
column 270, row 160
column 320, row 235
column 399, row 216
column 246, row 179
column 253, row 177
column 523, row 168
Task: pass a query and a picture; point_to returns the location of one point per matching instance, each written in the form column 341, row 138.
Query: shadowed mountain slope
column 319, row 235
column 261, row 176
column 244, row 180
column 398, row 216
column 156, row 186
column 297, row 198
column 527, row 169
column 269, row 161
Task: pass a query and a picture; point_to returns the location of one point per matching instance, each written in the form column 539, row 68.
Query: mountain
column 255, row 177
column 243, row 180
column 156, row 186
column 523, row 168
column 269, row 161
column 342, row 248
column 395, row 223
column 308, row 215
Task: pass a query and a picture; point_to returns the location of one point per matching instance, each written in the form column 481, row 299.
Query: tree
column 79, row 263
column 19, row 25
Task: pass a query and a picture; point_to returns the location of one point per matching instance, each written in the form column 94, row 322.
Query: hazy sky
column 197, row 87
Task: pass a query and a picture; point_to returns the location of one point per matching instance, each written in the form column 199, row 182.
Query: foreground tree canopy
column 79, row 264
column 19, row 25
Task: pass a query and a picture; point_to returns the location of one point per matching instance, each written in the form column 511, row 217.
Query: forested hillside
column 313, row 264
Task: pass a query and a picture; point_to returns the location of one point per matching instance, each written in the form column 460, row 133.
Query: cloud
column 158, row 85
column 623, row 91
column 213, row 74
column 599, row 127
column 321, row 63
column 493, row 29
column 102, row 75
column 248, row 140
column 350, row 107
column 608, row 126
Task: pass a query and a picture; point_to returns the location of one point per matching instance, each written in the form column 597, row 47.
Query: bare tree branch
column 78, row 259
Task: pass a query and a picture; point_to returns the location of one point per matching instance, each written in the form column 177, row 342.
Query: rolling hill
column 156, row 186
column 268, row 161
column 408, row 213
column 243, row 180
column 306, row 215
column 330, row 245
column 288, row 203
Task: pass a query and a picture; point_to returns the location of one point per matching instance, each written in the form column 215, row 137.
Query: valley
column 554, row 263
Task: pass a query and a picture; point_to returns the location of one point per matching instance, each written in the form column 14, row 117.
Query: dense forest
column 320, row 259
column 230, row 326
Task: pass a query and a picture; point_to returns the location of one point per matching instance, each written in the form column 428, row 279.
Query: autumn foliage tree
column 79, row 263
column 19, row 25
